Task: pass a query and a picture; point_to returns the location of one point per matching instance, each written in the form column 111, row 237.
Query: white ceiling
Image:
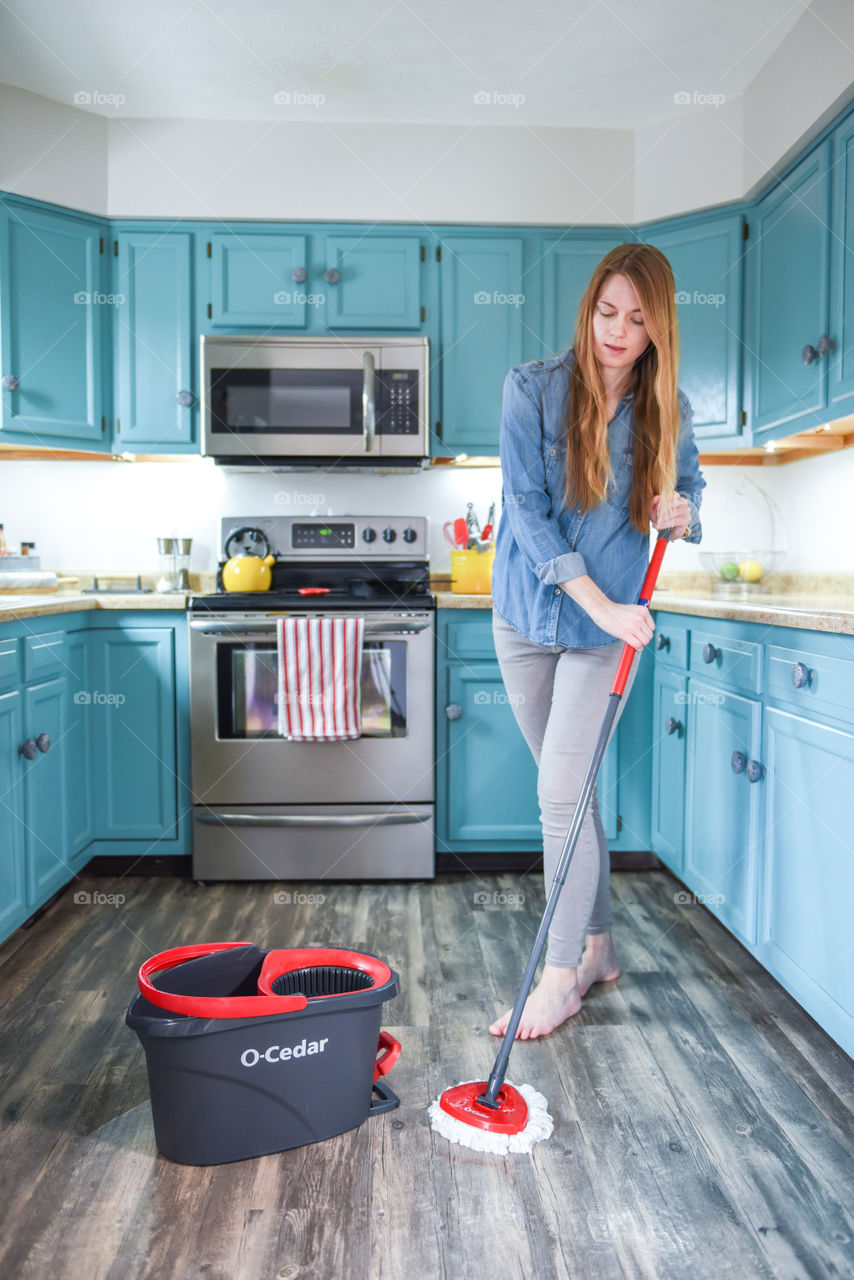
column 574, row 63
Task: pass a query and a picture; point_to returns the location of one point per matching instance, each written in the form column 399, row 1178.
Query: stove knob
column 369, row 534
column 389, row 535
column 409, row 535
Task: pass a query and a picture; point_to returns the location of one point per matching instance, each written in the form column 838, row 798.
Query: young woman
column 596, row 444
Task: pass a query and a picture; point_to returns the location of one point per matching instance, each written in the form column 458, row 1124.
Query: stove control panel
column 338, row 537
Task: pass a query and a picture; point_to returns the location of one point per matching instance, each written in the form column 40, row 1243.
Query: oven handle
column 369, row 405
column 255, row 629
column 310, row 819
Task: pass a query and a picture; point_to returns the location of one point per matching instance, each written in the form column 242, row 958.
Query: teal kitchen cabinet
column 669, row 720
column 156, row 404
column 78, row 745
column 568, row 262
column 482, row 306
column 788, row 275
column 372, row 281
column 706, row 257
column 258, row 280
column 841, row 361
column 45, row 791
column 13, row 884
column 53, row 320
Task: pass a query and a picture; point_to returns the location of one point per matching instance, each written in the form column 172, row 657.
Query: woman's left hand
column 676, row 515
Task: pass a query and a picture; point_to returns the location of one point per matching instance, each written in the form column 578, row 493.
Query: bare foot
column 555, row 999
column 599, row 962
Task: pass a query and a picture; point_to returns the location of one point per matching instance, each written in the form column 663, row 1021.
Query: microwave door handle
column 369, row 404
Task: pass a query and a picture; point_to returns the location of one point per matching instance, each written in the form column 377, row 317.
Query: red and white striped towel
column 320, row 663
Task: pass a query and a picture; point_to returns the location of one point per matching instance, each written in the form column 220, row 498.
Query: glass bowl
column 742, row 568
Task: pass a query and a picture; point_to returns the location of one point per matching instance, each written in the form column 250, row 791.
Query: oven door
column 240, row 759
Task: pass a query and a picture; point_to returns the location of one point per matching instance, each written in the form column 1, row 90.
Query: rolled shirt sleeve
column 689, row 479
column 527, row 501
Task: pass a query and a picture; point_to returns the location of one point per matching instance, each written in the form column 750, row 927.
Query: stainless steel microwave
column 333, row 400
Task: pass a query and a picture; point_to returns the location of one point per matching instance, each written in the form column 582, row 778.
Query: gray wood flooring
column 703, row 1122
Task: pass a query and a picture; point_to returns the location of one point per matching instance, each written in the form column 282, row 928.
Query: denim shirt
column 541, row 541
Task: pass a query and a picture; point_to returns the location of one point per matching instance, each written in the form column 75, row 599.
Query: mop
column 494, row 1115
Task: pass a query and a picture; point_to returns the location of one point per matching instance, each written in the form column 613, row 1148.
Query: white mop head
column 539, row 1127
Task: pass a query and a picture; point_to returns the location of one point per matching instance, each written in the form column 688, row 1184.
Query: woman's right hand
column 631, row 623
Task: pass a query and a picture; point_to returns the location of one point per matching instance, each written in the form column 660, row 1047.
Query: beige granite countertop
column 14, row 607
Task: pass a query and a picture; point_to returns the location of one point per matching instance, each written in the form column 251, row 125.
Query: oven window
column 247, row 695
column 282, row 401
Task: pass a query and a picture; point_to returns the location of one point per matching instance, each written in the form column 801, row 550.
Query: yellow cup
column 471, row 572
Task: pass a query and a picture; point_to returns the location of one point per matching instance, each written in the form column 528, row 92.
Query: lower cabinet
column 45, row 790
column 13, row 888
column 669, row 717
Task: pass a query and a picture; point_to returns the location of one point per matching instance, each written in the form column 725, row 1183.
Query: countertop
column 14, row 607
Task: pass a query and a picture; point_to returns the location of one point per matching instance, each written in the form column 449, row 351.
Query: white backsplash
column 108, row 516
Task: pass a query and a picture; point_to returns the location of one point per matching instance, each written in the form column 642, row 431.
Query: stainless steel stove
column 265, row 808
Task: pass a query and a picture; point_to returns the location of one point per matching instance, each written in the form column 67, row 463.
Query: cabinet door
column 787, row 258
column 567, row 268
column 133, row 733
column 481, row 284
column 379, row 285
column 252, row 282
column 669, row 721
column 723, row 835
column 78, row 742
column 53, row 317
column 45, row 790
column 12, row 829
column 153, row 329
column 707, row 265
column 808, row 886
column 490, row 776
column 841, row 362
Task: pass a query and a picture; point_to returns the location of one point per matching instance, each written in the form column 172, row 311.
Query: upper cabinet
column 155, row 391
column 568, row 262
column 53, row 315
column 707, row 265
column 787, row 330
column 258, row 281
column 841, row 370
column 372, row 281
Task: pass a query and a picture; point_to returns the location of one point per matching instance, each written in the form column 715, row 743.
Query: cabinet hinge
column 439, row 429
column 745, row 229
column 118, row 426
column 210, row 312
column 742, row 418
column 423, row 314
column 619, row 823
column 102, row 245
column 423, row 254
column 209, row 249
column 103, row 423
column 438, row 253
column 115, row 248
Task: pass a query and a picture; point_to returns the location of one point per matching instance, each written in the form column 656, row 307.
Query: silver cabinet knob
column 673, row 726
column 332, row 275
column 809, row 354
column 454, row 711
column 43, row 743
column 662, row 642
column 710, row 653
column 185, row 398
column 801, row 675
column 299, row 275
column 755, row 771
column 826, row 344
column 738, row 762
column 10, row 382
column 27, row 749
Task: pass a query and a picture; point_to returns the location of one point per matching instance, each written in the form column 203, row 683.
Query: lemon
column 728, row 570
column 749, row 570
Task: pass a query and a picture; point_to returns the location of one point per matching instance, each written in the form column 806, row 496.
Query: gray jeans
column 559, row 697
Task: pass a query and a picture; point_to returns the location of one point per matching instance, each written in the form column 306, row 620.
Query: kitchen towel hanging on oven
column 319, row 678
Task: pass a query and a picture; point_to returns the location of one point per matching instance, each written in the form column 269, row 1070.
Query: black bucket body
column 231, row 1089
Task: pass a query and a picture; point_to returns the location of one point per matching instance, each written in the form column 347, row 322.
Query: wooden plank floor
column 703, row 1122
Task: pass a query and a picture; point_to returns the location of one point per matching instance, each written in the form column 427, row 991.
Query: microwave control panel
column 397, row 410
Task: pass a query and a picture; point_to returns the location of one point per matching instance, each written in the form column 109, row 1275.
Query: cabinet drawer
column 44, row 654
column 730, row 662
column 671, row 643
column 824, row 684
column 467, row 640
column 8, row 661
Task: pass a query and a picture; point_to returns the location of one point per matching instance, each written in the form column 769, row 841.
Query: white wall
column 52, row 152
column 92, row 515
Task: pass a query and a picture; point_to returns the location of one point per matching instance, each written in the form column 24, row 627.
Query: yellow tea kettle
column 246, row 571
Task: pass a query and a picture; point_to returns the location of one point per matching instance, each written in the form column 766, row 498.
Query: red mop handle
column 628, row 656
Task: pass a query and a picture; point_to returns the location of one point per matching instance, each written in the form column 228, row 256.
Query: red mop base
column 461, row 1103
